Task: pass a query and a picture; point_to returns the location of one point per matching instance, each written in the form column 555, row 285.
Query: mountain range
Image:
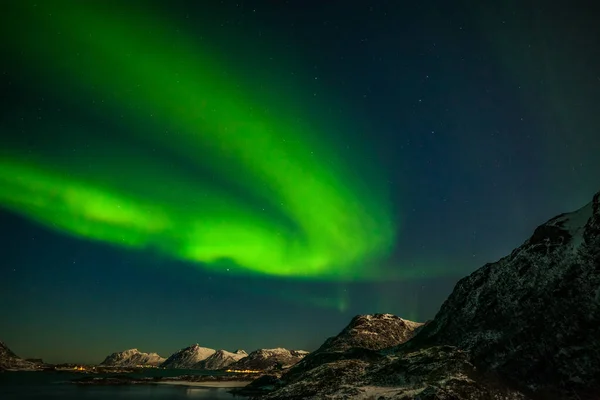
column 198, row 357
column 269, row 359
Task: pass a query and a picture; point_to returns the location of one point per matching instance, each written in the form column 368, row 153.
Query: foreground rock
column 9, row 361
column 132, row 358
column 188, row 357
column 433, row 373
column 525, row 327
column 221, row 359
column 269, row 359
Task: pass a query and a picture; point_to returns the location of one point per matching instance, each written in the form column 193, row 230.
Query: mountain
column 534, row 316
column 373, row 332
column 188, row 357
column 132, row 358
column 359, row 340
column 221, row 359
column 10, row 361
column 269, row 359
column 524, row 327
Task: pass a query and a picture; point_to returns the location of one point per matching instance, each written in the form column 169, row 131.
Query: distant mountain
column 221, row 359
column 269, row 359
column 10, row 361
column 188, row 357
column 132, row 358
column 524, row 327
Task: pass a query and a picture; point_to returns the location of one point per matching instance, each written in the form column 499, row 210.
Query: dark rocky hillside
column 10, row 361
column 534, row 316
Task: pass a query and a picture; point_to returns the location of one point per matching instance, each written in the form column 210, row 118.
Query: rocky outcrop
column 372, row 332
column 221, row 359
column 269, row 359
column 524, row 327
column 432, row 373
column 188, row 357
column 360, row 340
column 10, row 361
column 132, row 358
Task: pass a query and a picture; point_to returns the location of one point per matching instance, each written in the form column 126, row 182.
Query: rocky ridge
column 360, row 340
column 188, row 358
column 10, row 361
column 132, row 358
column 524, row 327
column 221, row 359
column 269, row 359
column 373, row 332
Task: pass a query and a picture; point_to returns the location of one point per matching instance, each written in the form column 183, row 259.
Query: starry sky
column 252, row 174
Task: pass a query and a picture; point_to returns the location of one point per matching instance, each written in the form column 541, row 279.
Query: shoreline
column 206, row 384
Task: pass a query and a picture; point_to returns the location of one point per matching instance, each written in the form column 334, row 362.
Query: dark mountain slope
column 534, row 316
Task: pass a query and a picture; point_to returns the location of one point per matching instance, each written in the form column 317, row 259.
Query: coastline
column 207, row 384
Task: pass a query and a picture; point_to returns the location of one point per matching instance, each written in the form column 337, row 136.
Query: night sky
column 252, row 174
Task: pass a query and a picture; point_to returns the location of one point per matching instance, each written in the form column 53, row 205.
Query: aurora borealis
column 320, row 221
column 287, row 164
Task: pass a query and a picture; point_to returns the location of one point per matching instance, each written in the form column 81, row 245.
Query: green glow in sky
column 306, row 210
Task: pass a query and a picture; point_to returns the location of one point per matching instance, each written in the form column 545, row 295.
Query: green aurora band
column 306, row 213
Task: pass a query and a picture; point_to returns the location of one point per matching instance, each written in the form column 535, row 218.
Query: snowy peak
column 188, row 357
column 132, row 358
column 372, row 332
column 220, row 359
column 364, row 335
column 269, row 359
column 563, row 231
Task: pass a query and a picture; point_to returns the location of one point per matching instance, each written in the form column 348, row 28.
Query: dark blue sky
column 484, row 118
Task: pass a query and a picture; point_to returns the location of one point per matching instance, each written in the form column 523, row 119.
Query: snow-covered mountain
column 268, row 359
column 524, row 327
column 373, row 332
column 359, row 340
column 188, row 357
column 10, row 361
column 132, row 358
column 221, row 359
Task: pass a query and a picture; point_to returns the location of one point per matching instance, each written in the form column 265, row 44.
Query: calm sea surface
column 52, row 385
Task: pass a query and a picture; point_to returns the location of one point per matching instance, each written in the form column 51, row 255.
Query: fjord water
column 55, row 385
